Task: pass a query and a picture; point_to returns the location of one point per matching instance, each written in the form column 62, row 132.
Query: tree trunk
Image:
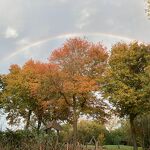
column 28, row 120
column 74, row 124
column 74, row 133
column 148, row 129
column 133, row 133
column 143, row 133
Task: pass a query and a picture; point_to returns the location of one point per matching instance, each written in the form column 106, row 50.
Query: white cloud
column 83, row 20
column 11, row 33
column 84, row 17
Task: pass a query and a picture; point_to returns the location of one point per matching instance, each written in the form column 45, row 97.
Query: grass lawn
column 122, row 147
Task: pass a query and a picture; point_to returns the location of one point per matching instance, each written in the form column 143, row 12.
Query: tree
column 78, row 65
column 126, row 79
column 143, row 130
column 120, row 135
column 33, row 74
column 10, row 96
column 91, row 129
column 87, row 130
column 24, row 96
column 148, row 7
column 21, row 96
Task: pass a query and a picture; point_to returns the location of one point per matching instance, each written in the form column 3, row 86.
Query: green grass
column 122, row 147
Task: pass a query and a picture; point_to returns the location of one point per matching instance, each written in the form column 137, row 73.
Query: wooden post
column 96, row 145
column 67, row 146
column 41, row 147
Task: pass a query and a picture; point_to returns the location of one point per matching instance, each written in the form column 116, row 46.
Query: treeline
column 79, row 79
column 88, row 132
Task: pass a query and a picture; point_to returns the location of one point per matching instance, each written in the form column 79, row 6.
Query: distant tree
column 120, row 135
column 79, row 64
column 143, row 130
column 148, row 7
column 126, row 79
column 86, row 131
column 89, row 129
column 66, row 133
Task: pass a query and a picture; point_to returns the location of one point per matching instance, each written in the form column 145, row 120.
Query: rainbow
column 64, row 36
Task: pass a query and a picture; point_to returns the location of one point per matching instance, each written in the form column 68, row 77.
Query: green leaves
column 127, row 76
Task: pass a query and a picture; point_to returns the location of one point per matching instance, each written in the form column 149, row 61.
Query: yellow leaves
column 126, row 76
column 14, row 69
column 34, row 87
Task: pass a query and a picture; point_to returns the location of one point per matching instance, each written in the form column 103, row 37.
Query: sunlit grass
column 120, row 147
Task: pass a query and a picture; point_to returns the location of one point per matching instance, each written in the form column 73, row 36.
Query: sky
column 33, row 28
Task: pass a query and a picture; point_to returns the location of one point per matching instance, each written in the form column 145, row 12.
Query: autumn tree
column 126, row 81
column 33, row 74
column 24, row 96
column 78, row 65
column 9, row 98
column 20, row 93
column 56, row 108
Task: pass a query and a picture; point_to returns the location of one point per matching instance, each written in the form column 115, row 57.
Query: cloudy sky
column 33, row 28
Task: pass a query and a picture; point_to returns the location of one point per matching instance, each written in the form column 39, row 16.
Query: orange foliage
column 79, row 64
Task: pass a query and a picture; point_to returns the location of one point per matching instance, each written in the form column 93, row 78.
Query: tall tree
column 78, row 65
column 126, row 79
column 33, row 74
column 21, row 94
column 24, row 95
column 10, row 95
